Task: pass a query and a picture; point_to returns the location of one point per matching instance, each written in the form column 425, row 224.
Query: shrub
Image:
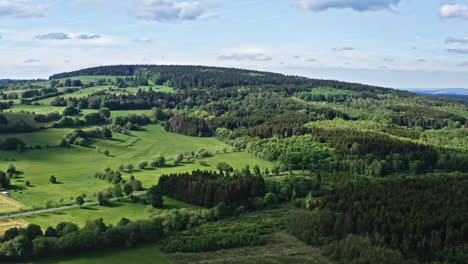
column 142, row 165
column 210, row 242
column 314, row 228
column 360, row 250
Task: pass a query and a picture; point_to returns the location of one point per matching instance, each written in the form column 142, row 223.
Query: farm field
column 9, row 205
column 12, row 223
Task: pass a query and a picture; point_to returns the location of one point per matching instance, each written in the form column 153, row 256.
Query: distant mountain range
column 453, row 94
column 445, row 91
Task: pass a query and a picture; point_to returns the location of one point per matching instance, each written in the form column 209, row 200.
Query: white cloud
column 454, row 11
column 458, row 51
column 53, row 36
column 452, row 40
column 250, row 57
column 245, row 54
column 74, row 38
column 31, row 61
column 86, row 36
column 171, row 10
column 21, row 9
column 343, row 49
column 357, row 5
column 143, row 40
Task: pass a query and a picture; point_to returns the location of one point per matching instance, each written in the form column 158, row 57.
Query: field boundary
column 11, row 223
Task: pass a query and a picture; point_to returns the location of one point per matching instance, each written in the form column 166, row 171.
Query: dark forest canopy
column 215, row 77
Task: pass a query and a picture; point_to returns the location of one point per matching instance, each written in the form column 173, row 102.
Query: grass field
column 149, row 254
column 11, row 223
column 18, row 118
column 38, row 109
column 74, row 167
column 83, row 79
column 49, row 137
column 9, row 205
column 111, row 215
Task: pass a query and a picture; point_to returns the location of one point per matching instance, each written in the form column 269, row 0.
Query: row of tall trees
column 207, row 188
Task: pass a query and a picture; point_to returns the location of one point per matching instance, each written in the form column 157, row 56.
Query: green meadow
column 111, row 215
column 74, row 166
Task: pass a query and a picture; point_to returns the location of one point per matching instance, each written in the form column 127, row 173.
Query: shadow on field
column 16, row 188
column 116, row 139
column 58, row 213
column 89, row 208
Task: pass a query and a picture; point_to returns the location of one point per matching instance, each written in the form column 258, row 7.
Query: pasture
column 111, row 215
column 74, row 166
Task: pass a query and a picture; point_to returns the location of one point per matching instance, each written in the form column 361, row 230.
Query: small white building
column 5, row 193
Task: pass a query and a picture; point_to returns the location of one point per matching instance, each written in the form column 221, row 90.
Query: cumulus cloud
column 143, row 40
column 68, row 36
column 452, row 40
column 86, row 36
column 458, row 51
column 53, row 36
column 343, row 49
column 31, row 61
column 171, row 10
column 357, row 5
column 21, row 9
column 245, row 53
column 250, row 57
column 454, row 11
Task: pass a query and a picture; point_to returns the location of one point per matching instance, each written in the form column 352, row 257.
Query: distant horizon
column 351, row 80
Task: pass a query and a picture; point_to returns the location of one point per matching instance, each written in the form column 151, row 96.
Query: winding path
column 63, row 207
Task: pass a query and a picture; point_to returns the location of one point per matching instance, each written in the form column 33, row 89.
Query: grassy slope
column 111, row 215
column 74, row 167
column 49, row 137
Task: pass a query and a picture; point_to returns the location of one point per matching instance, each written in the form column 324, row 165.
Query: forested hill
column 215, row 77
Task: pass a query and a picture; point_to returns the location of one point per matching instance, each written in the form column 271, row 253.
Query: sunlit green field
column 111, row 215
column 50, row 137
column 75, row 166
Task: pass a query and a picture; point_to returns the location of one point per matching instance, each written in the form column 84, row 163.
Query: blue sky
column 392, row 43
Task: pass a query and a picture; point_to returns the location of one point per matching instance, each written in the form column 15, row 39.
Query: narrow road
column 63, row 207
